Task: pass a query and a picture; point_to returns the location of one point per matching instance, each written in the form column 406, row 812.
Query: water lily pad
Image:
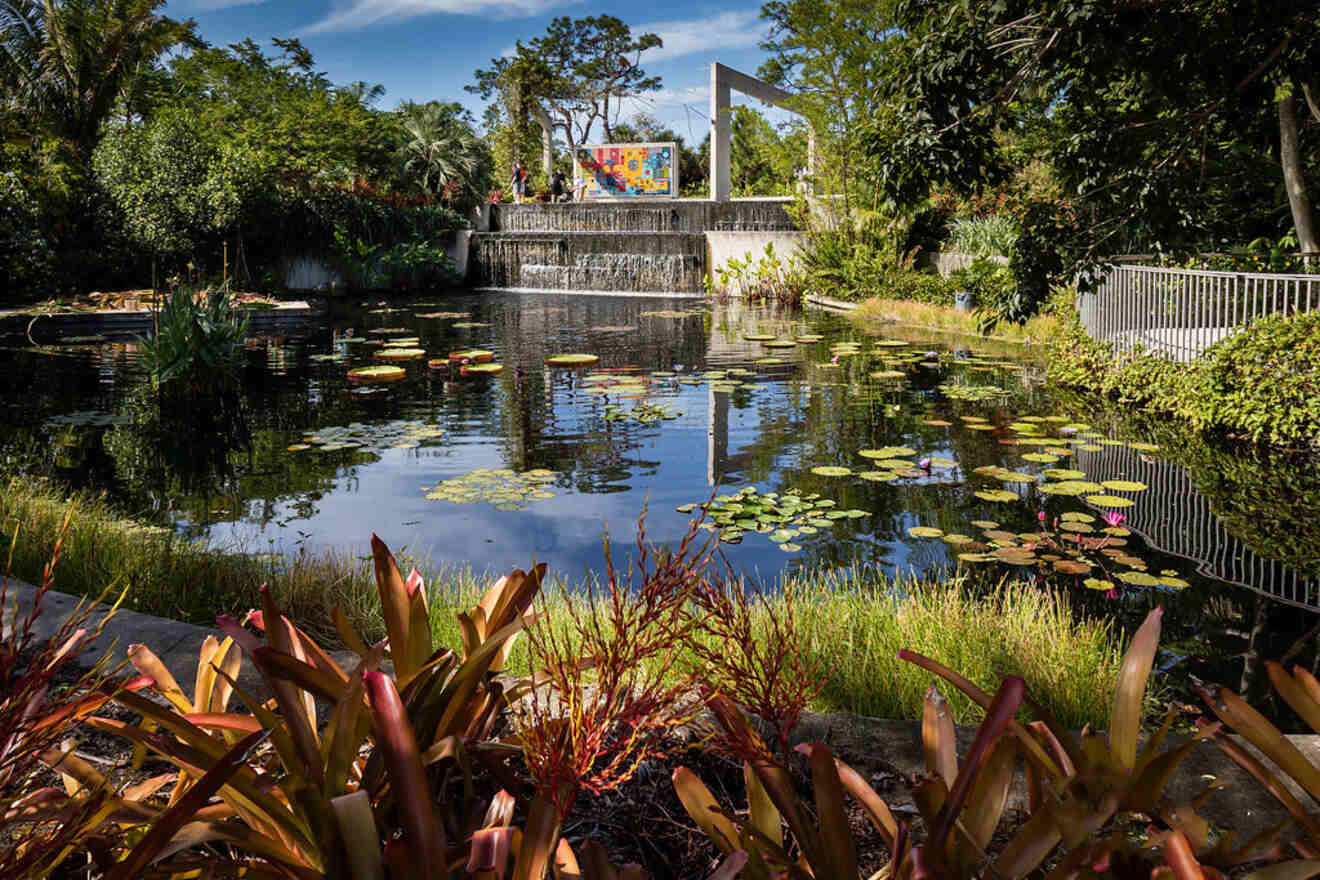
column 1108, row 501
column 1071, row 566
column 438, row 363
column 1097, row 584
column 998, row 495
column 1063, row 474
column 985, row 524
column 1125, row 486
column 878, row 476
column 925, row 532
column 297, row 447
column 572, row 360
column 829, row 470
column 779, row 343
column 958, row 540
column 1043, row 457
column 975, row 557
column 887, row 452
column 790, row 547
column 1007, row 476
column 1070, row 487
column 1138, row 578
column 1077, row 516
column 377, row 374
column 771, row 362
column 389, row 331
column 472, row 355
column 400, row 354
column 805, row 338
column 937, row 423
column 888, row 375
column 482, row 369
column 469, row 324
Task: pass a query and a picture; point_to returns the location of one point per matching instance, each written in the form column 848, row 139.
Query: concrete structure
column 724, row 81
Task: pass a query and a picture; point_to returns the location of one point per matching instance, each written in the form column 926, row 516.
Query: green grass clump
column 855, row 628
column 851, row 627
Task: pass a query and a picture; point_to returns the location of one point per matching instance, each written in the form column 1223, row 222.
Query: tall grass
column 850, row 627
column 982, row 236
column 1039, row 330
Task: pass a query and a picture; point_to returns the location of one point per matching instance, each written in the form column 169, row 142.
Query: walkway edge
column 833, row 305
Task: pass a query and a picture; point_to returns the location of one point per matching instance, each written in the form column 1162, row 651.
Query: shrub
column 989, row 236
column 992, row 284
column 1261, row 382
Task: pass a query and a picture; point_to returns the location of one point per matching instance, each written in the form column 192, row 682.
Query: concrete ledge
column 832, row 305
column 176, row 643
column 284, row 315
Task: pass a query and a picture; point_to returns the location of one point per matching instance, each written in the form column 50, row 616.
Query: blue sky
column 427, row 49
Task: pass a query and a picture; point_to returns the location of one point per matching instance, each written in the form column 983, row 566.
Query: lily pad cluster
column 395, row 434
column 780, row 516
column 645, row 413
column 505, row 488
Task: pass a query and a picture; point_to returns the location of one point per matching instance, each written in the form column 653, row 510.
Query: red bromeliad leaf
column 1130, row 691
column 423, row 837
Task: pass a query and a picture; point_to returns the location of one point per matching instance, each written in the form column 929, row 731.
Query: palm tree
column 65, row 63
column 440, row 152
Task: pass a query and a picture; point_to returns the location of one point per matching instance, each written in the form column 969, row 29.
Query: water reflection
column 1219, row 520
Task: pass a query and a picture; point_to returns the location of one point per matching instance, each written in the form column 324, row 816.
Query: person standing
column 518, row 183
column 557, row 187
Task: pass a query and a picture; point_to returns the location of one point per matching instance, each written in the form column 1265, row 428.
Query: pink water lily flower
column 1041, row 516
column 1114, row 519
column 924, row 464
column 835, row 359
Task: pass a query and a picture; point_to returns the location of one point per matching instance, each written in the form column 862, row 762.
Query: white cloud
column 363, row 13
column 734, row 29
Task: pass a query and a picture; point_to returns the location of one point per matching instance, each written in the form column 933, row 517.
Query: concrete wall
column 947, row 262
column 721, row 246
column 643, row 215
column 313, row 272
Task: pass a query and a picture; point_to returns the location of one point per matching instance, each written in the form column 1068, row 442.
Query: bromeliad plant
column 396, row 752
column 1082, row 793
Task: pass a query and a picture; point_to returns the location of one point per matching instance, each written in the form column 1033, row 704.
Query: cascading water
column 615, row 246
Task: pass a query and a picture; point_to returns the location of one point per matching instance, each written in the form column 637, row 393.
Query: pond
column 819, row 443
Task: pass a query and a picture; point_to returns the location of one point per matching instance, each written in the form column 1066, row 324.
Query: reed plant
column 1038, row 330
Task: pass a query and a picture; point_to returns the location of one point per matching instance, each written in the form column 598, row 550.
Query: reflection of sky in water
column 531, row 417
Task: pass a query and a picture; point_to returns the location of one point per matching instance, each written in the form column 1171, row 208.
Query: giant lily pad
column 925, row 532
column 377, row 374
column 1108, row 501
column 1124, row 486
column 472, row 355
column 400, row 354
column 828, row 470
column 998, row 495
column 482, row 369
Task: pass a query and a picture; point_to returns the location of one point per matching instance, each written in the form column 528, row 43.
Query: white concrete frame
column 723, row 81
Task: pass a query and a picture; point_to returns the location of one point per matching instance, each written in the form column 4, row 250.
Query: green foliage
column 174, row 186
column 198, row 343
column 764, row 277
column 1261, row 382
column 1257, row 385
column 580, row 70
column 855, row 271
column 443, row 154
column 991, row 282
column 27, row 256
column 989, row 236
column 67, row 64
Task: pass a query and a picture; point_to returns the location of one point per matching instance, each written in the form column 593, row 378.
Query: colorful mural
column 639, row 170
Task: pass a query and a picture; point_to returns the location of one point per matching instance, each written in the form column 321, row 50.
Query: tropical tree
column 441, row 152
column 1157, row 112
column 64, row 64
column 579, row 72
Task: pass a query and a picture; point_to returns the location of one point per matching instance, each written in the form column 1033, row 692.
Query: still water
column 824, row 444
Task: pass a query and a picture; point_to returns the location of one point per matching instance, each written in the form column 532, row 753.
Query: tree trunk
column 1291, row 160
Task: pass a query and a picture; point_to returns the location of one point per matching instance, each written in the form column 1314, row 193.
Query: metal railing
column 1177, row 518
column 1179, row 313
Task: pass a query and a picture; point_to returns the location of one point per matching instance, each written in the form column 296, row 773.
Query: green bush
column 983, row 236
column 923, row 287
column 842, row 268
column 991, row 282
column 1261, row 382
column 1258, row 384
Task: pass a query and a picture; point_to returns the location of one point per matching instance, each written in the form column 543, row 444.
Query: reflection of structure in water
column 1176, row 518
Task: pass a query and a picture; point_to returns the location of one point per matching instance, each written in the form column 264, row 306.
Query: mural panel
column 623, row 170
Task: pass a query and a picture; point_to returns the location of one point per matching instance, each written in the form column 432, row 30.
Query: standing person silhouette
column 557, row 187
column 519, row 183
